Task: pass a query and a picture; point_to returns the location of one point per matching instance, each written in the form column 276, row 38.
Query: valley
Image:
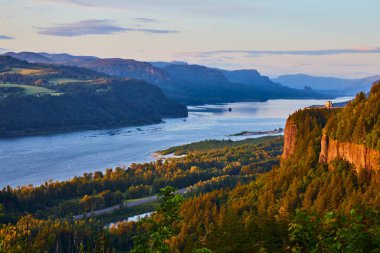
column 189, row 126
column 272, row 189
column 28, row 160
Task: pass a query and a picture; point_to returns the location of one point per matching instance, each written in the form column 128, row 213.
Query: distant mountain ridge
column 185, row 83
column 127, row 68
column 345, row 86
column 30, row 57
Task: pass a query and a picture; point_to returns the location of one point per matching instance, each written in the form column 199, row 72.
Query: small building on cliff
column 329, row 105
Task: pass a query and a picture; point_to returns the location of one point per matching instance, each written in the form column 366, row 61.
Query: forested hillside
column 42, row 98
column 359, row 121
column 300, row 206
column 36, row 213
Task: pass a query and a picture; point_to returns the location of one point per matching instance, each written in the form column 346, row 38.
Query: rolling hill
column 44, row 98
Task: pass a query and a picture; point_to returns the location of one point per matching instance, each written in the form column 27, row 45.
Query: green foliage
column 256, row 217
column 202, row 250
column 298, row 206
column 359, row 121
column 28, row 89
column 261, row 216
column 103, row 189
column 32, row 103
column 84, row 106
column 334, row 232
column 309, row 124
column 209, row 145
column 161, row 226
column 341, row 165
column 34, row 235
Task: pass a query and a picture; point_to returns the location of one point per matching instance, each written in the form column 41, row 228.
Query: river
column 36, row 159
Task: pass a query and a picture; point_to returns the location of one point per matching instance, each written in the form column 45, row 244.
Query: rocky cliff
column 357, row 154
column 290, row 139
column 298, row 138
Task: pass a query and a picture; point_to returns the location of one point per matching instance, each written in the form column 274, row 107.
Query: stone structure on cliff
column 329, row 105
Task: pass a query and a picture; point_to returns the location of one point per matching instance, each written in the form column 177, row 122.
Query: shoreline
column 158, row 156
column 255, row 133
column 81, row 129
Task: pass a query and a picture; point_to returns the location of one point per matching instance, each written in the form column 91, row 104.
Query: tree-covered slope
column 358, row 121
column 42, row 98
column 117, row 103
column 300, row 206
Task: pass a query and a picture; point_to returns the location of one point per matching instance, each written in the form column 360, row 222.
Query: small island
column 249, row 133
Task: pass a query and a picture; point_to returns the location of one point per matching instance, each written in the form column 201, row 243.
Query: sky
column 318, row 37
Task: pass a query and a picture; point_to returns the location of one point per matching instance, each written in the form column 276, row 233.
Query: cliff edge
column 357, row 154
column 351, row 133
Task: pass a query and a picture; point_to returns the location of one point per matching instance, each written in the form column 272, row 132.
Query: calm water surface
column 34, row 160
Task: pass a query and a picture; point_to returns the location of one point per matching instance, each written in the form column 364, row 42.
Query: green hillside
column 359, row 121
column 43, row 98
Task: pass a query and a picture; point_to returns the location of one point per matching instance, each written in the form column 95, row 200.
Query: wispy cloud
column 157, row 31
column 146, row 20
column 5, row 37
column 94, row 26
column 85, row 27
column 374, row 50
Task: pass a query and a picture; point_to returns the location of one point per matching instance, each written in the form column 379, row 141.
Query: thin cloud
column 5, row 37
column 85, row 27
column 375, row 50
column 146, row 20
column 157, row 31
column 93, row 26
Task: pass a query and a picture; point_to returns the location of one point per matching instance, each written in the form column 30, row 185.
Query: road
column 132, row 203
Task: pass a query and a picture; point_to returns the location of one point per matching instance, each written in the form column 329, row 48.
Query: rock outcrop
column 357, row 154
column 290, row 139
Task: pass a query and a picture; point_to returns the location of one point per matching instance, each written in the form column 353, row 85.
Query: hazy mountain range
column 335, row 85
column 185, row 83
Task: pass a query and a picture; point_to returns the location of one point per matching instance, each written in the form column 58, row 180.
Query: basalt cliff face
column 357, row 154
column 290, row 139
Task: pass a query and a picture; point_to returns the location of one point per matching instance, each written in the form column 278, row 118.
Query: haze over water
column 34, row 160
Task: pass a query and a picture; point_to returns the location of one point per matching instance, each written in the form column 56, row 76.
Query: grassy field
column 24, row 71
column 208, row 145
column 60, row 81
column 30, row 90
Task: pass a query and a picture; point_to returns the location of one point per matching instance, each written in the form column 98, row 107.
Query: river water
column 36, row 159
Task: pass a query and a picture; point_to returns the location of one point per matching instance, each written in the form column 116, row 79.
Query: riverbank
column 253, row 133
column 208, row 145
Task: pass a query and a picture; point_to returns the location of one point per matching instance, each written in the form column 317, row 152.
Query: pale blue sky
column 319, row 37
